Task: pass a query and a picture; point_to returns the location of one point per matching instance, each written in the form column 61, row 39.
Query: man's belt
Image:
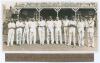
column 71, row 26
column 41, row 26
column 11, row 28
column 80, row 27
column 65, row 26
column 19, row 27
column 32, row 27
column 90, row 26
column 57, row 27
column 50, row 27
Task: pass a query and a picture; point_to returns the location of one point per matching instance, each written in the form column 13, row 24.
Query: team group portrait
column 42, row 25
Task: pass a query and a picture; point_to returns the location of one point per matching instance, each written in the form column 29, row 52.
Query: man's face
column 41, row 19
column 57, row 18
column 11, row 21
column 33, row 19
column 20, row 20
column 66, row 18
column 50, row 18
column 78, row 19
column 90, row 19
column 81, row 20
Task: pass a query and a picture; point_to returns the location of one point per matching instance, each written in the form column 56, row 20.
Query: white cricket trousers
column 58, row 35
column 50, row 34
column 41, row 35
column 11, row 33
column 90, row 37
column 81, row 36
column 72, row 36
column 66, row 35
column 33, row 36
column 19, row 36
column 26, row 36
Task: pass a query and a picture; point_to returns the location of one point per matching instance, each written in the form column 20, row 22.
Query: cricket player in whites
column 58, row 31
column 72, row 28
column 65, row 24
column 41, row 30
column 26, row 32
column 33, row 26
column 80, row 26
column 11, row 33
column 19, row 30
column 91, row 32
column 50, row 31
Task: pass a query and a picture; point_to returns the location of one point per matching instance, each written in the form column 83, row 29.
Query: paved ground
column 46, row 47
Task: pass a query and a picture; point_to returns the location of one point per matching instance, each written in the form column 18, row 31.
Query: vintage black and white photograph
column 50, row 26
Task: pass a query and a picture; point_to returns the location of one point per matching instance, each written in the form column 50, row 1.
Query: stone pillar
column 39, row 10
column 57, row 10
column 96, row 21
column 75, row 10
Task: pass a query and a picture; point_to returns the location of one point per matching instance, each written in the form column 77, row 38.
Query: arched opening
column 47, row 12
column 87, row 12
column 26, row 13
column 66, row 12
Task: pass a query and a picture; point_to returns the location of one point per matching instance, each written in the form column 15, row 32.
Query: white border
column 14, row 1
column 2, row 56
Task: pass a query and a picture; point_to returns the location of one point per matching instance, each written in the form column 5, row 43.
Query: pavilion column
column 95, row 10
column 57, row 10
column 39, row 10
column 36, row 15
column 96, row 17
column 75, row 10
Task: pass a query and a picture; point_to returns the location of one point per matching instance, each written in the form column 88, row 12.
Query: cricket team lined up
column 50, row 31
